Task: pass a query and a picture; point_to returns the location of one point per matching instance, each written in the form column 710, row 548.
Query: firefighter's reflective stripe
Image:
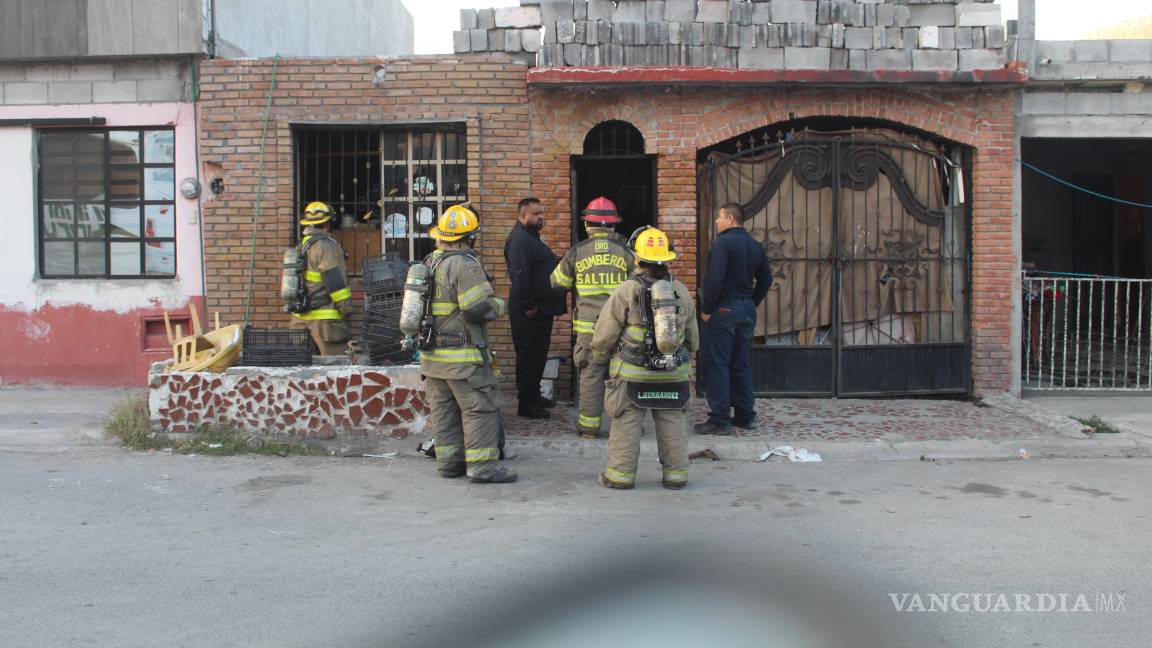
column 312, row 276
column 619, row 368
column 583, row 326
column 675, row 476
column 466, row 355
column 588, row 421
column 320, row 314
column 442, row 309
column 635, row 334
column 473, row 295
column 561, row 279
column 447, row 452
column 618, row 477
column 472, row 455
column 341, row 295
column 592, row 290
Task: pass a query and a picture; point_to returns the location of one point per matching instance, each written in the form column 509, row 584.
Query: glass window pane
column 124, row 183
column 59, row 258
column 424, row 180
column 160, row 221
column 455, row 181
column 90, row 220
column 159, row 258
column 159, row 147
column 91, row 257
column 125, row 258
column 160, row 184
column 125, row 221
column 56, row 183
column 423, row 146
column 58, row 220
column 124, row 147
column 395, row 146
column 453, row 146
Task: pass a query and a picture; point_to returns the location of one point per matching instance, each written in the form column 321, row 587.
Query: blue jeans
column 725, row 347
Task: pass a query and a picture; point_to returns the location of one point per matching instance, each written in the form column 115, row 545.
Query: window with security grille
column 107, row 203
column 386, row 186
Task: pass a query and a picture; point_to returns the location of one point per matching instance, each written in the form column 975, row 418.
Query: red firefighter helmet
column 601, row 212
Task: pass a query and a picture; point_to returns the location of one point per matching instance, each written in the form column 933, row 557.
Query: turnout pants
column 624, row 438
column 465, row 423
column 592, row 377
column 330, row 336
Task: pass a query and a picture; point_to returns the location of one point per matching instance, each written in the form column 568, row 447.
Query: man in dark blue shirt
column 736, row 281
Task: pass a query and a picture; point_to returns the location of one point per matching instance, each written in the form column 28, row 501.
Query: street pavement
column 104, row 547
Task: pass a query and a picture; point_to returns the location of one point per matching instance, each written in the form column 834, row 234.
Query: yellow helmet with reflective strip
column 652, row 246
column 457, row 222
column 316, row 213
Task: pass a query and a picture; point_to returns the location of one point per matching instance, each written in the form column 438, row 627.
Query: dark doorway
column 614, row 165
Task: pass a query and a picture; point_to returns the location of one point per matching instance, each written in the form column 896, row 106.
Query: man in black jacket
column 737, row 280
column 532, row 303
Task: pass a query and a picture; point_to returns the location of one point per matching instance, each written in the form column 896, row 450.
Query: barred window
column 386, row 186
column 107, row 203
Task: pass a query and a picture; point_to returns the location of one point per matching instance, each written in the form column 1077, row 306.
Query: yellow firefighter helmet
column 457, row 222
column 316, row 213
column 652, row 246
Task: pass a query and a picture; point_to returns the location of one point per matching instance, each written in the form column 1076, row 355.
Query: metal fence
column 1090, row 333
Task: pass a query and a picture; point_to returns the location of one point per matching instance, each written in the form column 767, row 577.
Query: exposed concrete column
column 1026, row 33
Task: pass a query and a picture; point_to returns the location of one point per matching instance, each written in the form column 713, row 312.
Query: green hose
column 259, row 191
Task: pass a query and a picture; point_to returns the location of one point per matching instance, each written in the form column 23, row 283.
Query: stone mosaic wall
column 306, row 402
column 928, row 35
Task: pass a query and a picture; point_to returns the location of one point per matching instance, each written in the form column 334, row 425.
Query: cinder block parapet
column 518, row 17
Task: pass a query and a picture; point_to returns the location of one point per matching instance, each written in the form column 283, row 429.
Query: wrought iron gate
column 868, row 236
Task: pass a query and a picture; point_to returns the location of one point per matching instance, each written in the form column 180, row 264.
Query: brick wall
column 677, row 122
column 487, row 92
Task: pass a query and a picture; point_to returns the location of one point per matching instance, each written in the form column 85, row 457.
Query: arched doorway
column 614, row 164
column 867, row 225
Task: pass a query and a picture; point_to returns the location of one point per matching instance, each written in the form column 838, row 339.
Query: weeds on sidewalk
column 128, row 423
column 1097, row 424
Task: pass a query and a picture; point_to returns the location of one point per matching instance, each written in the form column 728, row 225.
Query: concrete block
column 824, row 12
column 839, row 59
column 1057, row 51
column 947, row 37
column 572, row 55
column 468, row 19
column 591, row 33
column 601, row 9
column 629, row 11
column 605, row 29
column 977, row 38
column 823, row 35
column 794, row 11
column 807, row 58
column 793, row 35
column 512, row 42
column 733, row 35
column 981, row 59
column 841, row 11
column 929, row 37
column 858, row 37
column 1043, row 103
column 10, row 73
column 680, row 10
column 888, row 59
column 157, row 90
column 712, row 11
column 941, row 15
column 496, row 39
column 91, row 72
column 1088, row 103
column 993, row 36
column 654, row 12
column 1090, row 51
column 49, row 72
column 964, row 38
column 901, row 15
column 771, row 35
column 1130, row 103
column 32, row 92
column 898, row 37
column 580, row 34
column 518, row 17
column 869, row 15
column 579, row 9
column 740, row 12
column 697, row 57
column 556, row 10
column 1130, row 50
column 69, row 92
column 486, row 19
column 838, row 35
column 934, row 59
column 479, row 40
column 530, row 40
column 886, row 15
column 565, row 32
column 696, row 35
column 857, row 60
column 675, row 33
column 461, row 41
column 748, row 37
column 855, row 16
column 977, row 14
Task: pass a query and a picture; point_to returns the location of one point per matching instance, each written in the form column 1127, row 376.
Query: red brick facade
column 521, row 139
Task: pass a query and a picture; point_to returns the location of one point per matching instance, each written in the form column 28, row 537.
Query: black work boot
column 499, row 476
column 451, row 470
column 708, row 427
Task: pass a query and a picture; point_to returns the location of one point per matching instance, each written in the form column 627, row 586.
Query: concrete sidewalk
column 52, row 419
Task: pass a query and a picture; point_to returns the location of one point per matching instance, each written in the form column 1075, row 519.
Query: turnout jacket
column 621, row 327
column 594, row 267
column 329, row 297
column 463, row 302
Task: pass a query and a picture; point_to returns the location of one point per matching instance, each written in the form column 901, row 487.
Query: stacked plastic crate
column 383, row 294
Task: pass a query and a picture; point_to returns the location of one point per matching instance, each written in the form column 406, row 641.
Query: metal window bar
column 1086, row 333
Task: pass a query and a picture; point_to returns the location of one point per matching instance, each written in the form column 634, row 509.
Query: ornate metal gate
column 868, row 236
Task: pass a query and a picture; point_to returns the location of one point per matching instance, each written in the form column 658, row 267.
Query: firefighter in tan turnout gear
column 455, row 358
column 593, row 268
column 329, row 300
column 646, row 333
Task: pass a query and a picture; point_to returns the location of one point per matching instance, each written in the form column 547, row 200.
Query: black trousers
column 531, row 336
